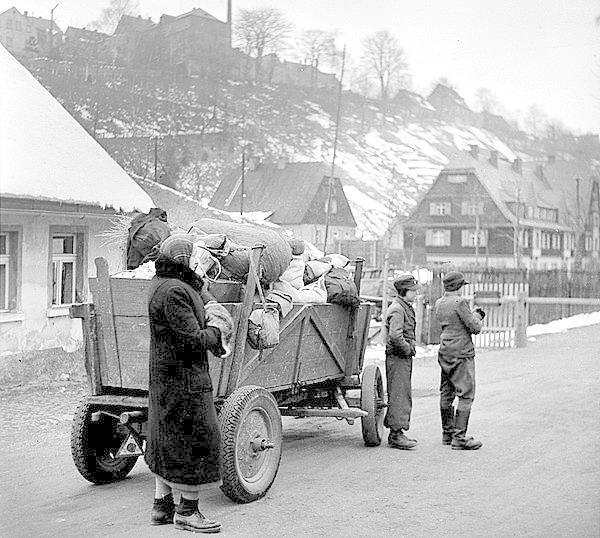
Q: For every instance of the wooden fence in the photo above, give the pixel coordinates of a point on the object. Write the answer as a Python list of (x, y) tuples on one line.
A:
[(513, 300)]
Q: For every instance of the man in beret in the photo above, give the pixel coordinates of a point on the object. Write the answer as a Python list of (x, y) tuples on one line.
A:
[(456, 358), (399, 353)]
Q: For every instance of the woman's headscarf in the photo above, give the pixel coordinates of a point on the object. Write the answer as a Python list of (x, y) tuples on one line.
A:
[(178, 247)]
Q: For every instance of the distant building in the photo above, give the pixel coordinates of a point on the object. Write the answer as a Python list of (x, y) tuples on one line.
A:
[(450, 105), (411, 105), (21, 33), (192, 43), (80, 43), (484, 210), (296, 195), (59, 192)]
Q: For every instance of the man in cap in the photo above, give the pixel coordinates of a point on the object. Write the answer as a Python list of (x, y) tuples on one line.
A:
[(399, 353), (456, 358)]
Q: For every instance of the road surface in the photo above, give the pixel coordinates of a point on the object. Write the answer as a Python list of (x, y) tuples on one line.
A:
[(538, 473)]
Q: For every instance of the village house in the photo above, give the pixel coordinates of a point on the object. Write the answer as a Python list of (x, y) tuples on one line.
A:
[(192, 43), (295, 195), (450, 105), (80, 43), (59, 191), (21, 33), (483, 210)]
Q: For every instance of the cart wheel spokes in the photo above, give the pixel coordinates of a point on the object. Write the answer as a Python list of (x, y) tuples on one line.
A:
[(372, 400), (251, 436)]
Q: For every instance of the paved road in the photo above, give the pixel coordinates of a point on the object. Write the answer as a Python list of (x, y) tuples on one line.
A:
[(538, 473)]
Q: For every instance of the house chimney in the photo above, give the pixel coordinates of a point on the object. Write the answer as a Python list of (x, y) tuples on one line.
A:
[(25, 13), (474, 151), (281, 162), (551, 159), (494, 158), (229, 22), (517, 165)]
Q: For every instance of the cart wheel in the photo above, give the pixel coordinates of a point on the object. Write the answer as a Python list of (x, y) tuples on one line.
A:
[(94, 447), (372, 400), (250, 443)]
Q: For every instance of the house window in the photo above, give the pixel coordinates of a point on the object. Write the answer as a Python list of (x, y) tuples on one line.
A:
[(524, 234), (596, 243), (437, 238), (334, 206), (546, 239), (9, 23), (596, 219), (67, 268), (440, 208), (468, 238), (469, 207), (18, 25), (555, 241), (588, 242), (9, 270), (457, 178)]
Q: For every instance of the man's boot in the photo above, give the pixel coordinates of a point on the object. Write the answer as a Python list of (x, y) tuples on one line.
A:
[(397, 439), (460, 441), (447, 414), (163, 510)]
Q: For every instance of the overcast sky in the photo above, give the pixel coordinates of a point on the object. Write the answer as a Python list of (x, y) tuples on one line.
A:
[(544, 52)]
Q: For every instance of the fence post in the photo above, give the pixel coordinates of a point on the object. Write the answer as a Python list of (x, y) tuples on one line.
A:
[(520, 321), (419, 319), (384, 297)]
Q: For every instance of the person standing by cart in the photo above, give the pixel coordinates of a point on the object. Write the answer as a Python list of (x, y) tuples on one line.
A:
[(183, 439), (456, 358), (399, 353)]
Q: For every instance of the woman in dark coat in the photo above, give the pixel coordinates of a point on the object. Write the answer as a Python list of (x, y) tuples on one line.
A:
[(183, 432)]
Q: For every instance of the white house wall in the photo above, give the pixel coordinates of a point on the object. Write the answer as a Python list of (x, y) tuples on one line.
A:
[(35, 325)]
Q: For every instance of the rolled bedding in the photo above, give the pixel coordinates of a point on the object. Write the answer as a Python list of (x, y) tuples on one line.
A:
[(275, 257)]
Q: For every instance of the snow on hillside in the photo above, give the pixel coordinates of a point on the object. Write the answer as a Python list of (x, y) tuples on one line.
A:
[(386, 159)]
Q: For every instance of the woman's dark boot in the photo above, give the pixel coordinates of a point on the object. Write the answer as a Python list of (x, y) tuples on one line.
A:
[(460, 441), (447, 414), (163, 510)]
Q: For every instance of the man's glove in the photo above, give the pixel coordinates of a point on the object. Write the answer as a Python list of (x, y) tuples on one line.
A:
[(480, 312)]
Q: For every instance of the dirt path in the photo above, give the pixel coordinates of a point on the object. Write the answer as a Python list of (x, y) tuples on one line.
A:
[(538, 473)]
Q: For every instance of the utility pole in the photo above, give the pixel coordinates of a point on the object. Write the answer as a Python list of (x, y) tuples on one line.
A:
[(243, 193), (578, 249), (51, 48), (156, 158), (476, 233), (335, 141)]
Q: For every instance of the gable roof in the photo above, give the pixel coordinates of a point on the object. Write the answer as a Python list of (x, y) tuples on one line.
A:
[(129, 23), (555, 189), (46, 155), (183, 210), (37, 22), (287, 192)]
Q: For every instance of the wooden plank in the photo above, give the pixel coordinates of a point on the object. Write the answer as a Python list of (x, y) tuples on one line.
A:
[(234, 367), (334, 349), (104, 312), (90, 344), (584, 301), (130, 296)]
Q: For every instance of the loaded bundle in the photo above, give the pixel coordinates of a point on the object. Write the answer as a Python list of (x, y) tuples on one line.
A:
[(241, 237)]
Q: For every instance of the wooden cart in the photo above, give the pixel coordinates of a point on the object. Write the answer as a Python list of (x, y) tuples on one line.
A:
[(319, 358)]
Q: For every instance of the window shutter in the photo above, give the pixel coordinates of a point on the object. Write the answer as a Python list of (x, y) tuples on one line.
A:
[(464, 239), (80, 260), (447, 238)]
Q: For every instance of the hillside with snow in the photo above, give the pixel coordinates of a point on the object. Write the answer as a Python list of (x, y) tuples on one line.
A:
[(386, 158)]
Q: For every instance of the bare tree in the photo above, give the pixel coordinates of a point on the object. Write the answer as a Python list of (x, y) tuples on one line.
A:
[(535, 121), (386, 62), (486, 100), (317, 48), (261, 31), (111, 15)]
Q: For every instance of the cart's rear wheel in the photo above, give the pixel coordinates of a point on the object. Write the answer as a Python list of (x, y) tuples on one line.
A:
[(250, 443), (372, 400), (94, 447)]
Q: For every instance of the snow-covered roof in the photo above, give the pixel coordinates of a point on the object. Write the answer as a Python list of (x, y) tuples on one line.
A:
[(46, 155)]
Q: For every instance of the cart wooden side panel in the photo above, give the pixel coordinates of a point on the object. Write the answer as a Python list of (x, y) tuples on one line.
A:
[(318, 342)]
